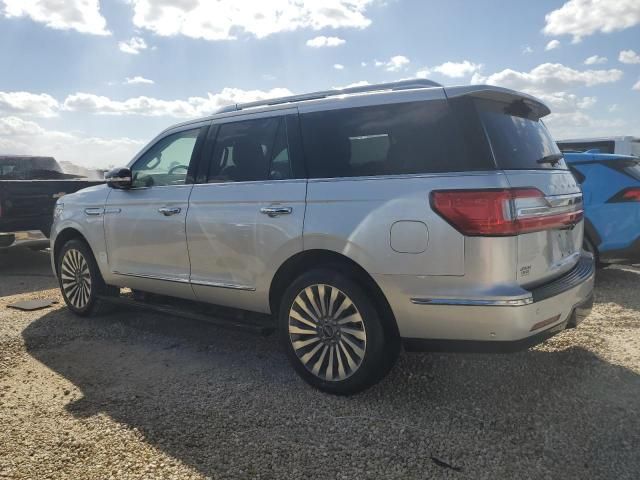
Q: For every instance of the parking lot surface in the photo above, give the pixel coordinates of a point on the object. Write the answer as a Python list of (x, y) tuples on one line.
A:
[(138, 395)]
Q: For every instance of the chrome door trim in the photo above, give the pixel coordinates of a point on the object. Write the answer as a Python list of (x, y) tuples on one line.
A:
[(152, 277), (231, 286), (276, 210), (94, 212), (473, 303), (168, 211)]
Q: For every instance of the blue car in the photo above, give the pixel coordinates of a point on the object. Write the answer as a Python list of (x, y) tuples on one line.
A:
[(611, 189)]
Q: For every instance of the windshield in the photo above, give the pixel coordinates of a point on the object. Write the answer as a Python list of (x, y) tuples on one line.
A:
[(518, 140)]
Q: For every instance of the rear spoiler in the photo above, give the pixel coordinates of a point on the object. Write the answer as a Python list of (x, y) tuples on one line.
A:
[(499, 94)]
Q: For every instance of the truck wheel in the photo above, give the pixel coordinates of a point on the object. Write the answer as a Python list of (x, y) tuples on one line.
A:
[(332, 333), (80, 280)]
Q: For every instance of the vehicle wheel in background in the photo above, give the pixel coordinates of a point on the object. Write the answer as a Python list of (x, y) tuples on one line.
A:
[(332, 333), (588, 246), (80, 280)]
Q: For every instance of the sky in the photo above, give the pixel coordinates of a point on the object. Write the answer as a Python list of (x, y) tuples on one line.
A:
[(92, 81)]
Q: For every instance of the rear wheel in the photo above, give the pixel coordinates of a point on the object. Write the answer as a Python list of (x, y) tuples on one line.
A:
[(332, 333), (80, 280)]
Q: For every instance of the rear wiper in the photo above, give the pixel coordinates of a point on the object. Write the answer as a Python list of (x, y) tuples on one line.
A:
[(553, 159)]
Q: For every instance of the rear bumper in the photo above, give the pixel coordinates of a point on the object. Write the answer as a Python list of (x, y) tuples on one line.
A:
[(509, 323), (579, 313), (630, 254)]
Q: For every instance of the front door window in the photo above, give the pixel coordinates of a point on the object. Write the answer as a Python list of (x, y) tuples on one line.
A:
[(167, 162)]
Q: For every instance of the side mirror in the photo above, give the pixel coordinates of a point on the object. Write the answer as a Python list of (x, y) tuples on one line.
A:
[(120, 178)]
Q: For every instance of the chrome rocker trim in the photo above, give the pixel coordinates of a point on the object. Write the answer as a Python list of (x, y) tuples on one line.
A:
[(203, 283)]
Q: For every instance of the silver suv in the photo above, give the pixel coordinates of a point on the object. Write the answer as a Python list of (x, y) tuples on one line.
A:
[(363, 220)]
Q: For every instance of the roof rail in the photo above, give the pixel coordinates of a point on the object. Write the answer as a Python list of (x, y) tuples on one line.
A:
[(401, 85)]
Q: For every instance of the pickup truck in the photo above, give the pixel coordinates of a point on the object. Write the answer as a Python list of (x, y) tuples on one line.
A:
[(29, 189)]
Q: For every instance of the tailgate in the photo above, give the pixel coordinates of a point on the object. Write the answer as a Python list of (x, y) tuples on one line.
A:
[(21, 199), (547, 254)]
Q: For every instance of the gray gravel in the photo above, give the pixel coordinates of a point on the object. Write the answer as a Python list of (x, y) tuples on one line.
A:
[(135, 395)]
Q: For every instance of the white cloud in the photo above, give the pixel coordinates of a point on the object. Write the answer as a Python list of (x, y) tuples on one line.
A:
[(581, 18), (395, 64), (527, 49), (548, 77), (322, 41), (138, 80), (595, 60), (564, 102), (423, 73), (636, 86), (457, 69), (553, 44), (363, 64), (81, 15), (133, 46), (629, 56), (19, 136), (580, 124), (227, 19), (338, 66), (153, 107), (570, 115), (613, 107), (34, 104)]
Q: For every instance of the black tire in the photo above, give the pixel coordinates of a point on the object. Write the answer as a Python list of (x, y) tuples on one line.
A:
[(355, 334), (76, 265), (589, 246)]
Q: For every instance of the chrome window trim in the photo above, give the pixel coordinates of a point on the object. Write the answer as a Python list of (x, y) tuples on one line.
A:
[(252, 182), (408, 175), (520, 302), (246, 115)]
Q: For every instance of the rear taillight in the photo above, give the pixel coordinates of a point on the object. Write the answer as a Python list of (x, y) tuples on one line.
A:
[(506, 212), (631, 194)]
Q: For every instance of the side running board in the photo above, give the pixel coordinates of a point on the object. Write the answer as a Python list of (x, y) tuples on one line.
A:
[(223, 317)]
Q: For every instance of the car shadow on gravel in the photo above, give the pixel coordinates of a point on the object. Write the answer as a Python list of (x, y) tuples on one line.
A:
[(25, 271), (228, 405)]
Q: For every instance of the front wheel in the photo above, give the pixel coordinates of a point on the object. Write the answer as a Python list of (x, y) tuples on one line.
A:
[(80, 280), (332, 333)]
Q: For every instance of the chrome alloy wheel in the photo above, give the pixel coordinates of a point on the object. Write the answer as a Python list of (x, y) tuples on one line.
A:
[(327, 332), (75, 278)]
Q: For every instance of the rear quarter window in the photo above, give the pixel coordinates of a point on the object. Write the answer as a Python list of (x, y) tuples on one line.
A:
[(404, 138)]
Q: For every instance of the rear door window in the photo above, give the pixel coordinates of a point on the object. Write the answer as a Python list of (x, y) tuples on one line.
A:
[(251, 150), (519, 141), (403, 138)]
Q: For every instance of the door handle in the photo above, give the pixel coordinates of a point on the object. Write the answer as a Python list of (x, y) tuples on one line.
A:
[(168, 211), (276, 211)]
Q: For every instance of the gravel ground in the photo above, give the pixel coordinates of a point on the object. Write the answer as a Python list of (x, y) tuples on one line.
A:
[(136, 395)]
